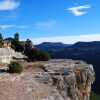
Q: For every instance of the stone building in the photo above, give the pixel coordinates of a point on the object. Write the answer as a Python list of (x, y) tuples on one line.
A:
[(25, 45), (16, 37), (5, 43), (29, 43), (28, 46)]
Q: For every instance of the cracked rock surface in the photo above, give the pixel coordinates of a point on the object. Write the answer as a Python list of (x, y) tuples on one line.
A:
[(55, 80)]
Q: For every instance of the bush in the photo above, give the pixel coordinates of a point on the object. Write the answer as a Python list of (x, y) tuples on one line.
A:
[(44, 56), (16, 45), (94, 96), (38, 55), (13, 47), (15, 67)]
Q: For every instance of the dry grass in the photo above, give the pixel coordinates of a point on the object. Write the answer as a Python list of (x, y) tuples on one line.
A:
[(79, 86), (3, 64), (85, 92), (33, 65), (78, 70)]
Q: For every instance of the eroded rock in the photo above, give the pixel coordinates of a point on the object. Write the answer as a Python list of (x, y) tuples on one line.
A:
[(72, 79), (8, 54), (61, 80)]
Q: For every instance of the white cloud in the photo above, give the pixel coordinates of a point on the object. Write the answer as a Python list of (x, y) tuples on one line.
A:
[(5, 26), (22, 26), (9, 17), (45, 25), (67, 39), (9, 4), (76, 10), (12, 26)]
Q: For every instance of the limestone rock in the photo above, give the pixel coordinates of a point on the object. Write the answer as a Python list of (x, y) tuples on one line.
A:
[(58, 80), (8, 54), (72, 79)]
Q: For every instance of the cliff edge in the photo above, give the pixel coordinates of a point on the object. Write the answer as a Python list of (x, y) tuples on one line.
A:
[(52, 80), (72, 79)]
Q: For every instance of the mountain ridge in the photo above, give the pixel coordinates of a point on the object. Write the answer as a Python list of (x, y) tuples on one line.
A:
[(51, 45), (86, 44)]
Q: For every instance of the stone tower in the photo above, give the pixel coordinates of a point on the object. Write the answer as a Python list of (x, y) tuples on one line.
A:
[(16, 37)]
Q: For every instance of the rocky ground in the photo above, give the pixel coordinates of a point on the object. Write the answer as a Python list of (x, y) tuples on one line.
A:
[(51, 80)]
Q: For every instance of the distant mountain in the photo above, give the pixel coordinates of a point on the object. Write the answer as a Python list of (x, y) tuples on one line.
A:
[(94, 44), (51, 45), (60, 50)]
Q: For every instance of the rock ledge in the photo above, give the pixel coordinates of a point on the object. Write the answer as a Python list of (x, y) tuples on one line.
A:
[(72, 79)]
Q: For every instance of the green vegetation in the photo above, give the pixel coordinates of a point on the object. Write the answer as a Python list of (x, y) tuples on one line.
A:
[(1, 44), (94, 96), (15, 67), (1, 38), (26, 47), (16, 45), (13, 47), (38, 55), (33, 54)]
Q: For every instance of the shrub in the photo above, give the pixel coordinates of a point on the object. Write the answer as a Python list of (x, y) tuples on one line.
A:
[(43, 56), (13, 47), (1, 38), (38, 55), (16, 45), (15, 67)]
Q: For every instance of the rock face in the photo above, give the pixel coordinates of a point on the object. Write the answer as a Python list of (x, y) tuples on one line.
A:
[(51, 80), (72, 80), (8, 54)]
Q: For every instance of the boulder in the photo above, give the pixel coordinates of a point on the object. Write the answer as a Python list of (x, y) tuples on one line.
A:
[(8, 54)]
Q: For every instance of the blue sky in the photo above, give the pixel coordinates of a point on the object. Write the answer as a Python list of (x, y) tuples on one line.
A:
[(66, 21)]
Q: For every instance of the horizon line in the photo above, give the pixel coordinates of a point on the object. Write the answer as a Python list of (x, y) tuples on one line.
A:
[(67, 39)]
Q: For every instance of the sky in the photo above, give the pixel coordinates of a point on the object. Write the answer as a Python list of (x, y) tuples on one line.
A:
[(66, 21)]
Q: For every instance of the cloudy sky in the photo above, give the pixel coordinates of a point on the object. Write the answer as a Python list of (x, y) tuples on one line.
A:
[(66, 21)]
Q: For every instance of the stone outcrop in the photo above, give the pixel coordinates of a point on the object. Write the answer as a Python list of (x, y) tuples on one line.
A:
[(8, 54), (71, 80), (52, 80)]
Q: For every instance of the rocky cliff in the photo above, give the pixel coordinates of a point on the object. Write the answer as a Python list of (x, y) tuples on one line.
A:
[(8, 54), (72, 80), (52, 80)]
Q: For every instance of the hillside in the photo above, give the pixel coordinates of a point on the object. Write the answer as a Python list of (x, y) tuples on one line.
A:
[(94, 44), (51, 45)]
